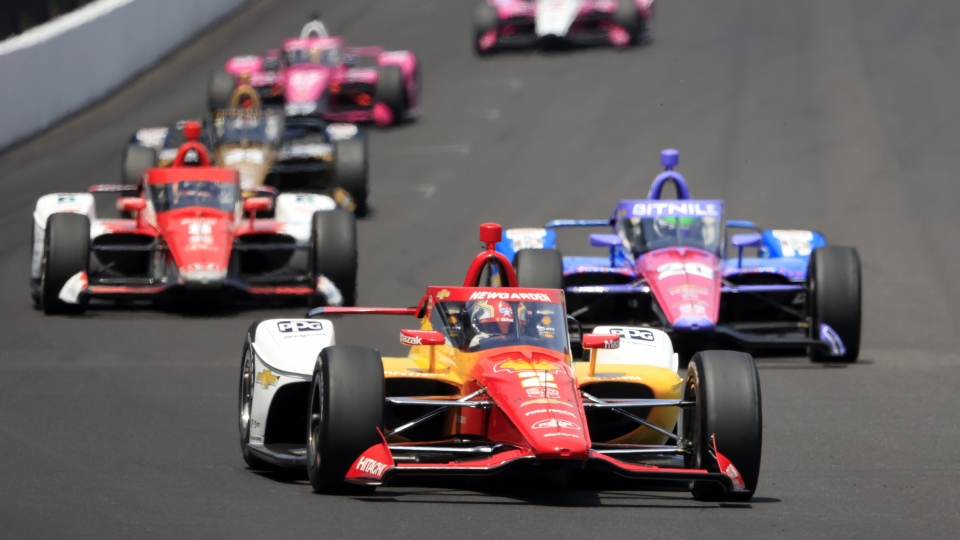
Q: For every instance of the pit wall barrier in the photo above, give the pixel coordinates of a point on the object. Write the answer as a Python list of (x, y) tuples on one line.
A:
[(59, 67)]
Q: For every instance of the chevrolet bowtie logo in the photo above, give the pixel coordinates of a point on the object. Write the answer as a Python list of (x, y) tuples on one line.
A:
[(266, 379)]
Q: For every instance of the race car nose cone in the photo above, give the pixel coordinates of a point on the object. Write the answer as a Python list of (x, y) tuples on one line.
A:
[(202, 279), (693, 324)]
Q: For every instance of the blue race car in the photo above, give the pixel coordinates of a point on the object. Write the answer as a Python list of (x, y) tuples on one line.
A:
[(671, 265)]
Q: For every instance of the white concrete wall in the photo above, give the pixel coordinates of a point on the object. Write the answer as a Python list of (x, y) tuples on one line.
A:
[(59, 67)]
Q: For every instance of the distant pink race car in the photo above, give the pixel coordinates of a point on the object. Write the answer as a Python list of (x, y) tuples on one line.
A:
[(315, 75), (502, 24)]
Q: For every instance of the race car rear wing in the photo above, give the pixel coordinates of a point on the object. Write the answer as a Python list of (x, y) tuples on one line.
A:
[(578, 223)]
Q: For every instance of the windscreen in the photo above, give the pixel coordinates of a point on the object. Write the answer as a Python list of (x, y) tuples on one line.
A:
[(328, 57), (488, 324), (641, 235), (194, 193)]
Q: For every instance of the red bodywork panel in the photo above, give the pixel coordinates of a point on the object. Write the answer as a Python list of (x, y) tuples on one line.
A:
[(536, 390)]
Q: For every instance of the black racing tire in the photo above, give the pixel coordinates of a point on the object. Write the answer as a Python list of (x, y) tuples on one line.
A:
[(626, 16), (334, 244), (726, 388), (485, 18), (539, 268), (390, 91), (220, 87), (351, 171), (136, 160), (248, 373), (834, 298), (346, 410), (66, 251)]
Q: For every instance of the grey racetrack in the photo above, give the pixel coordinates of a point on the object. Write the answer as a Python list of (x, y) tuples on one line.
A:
[(840, 116)]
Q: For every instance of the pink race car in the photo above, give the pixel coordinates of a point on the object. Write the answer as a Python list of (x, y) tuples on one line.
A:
[(316, 76), (521, 23)]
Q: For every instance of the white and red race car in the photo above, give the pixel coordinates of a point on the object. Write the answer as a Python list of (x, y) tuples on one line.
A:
[(184, 229)]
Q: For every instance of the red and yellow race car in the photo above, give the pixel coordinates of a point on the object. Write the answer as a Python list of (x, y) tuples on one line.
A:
[(491, 388)]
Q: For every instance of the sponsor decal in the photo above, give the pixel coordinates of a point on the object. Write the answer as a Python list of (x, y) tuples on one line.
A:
[(412, 374), (662, 209), (410, 340), (371, 466), (267, 379), (699, 308), (550, 411), (691, 292), (556, 424), (443, 294), (492, 295), (561, 434), (545, 401), (634, 333), (539, 392), (515, 366), (678, 269), (299, 326), (526, 238), (794, 243)]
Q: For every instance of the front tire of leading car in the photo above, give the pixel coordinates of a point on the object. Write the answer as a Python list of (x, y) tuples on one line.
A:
[(334, 241), (248, 373), (346, 411), (66, 252), (834, 299), (539, 268), (725, 386)]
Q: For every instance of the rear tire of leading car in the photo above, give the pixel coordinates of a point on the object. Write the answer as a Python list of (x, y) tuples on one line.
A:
[(390, 91), (351, 171), (248, 373), (726, 388), (834, 299), (346, 410), (220, 87), (66, 251), (539, 268), (627, 17), (335, 251), (136, 160), (485, 19)]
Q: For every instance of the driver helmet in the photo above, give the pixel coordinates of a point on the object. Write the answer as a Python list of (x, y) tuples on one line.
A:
[(495, 317), (675, 226)]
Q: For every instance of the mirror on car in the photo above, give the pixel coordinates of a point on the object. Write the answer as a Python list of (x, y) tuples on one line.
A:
[(747, 240), (605, 240), (421, 337), (131, 204), (601, 341), (257, 204)]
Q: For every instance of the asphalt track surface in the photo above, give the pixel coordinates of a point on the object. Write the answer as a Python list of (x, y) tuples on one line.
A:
[(837, 116)]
